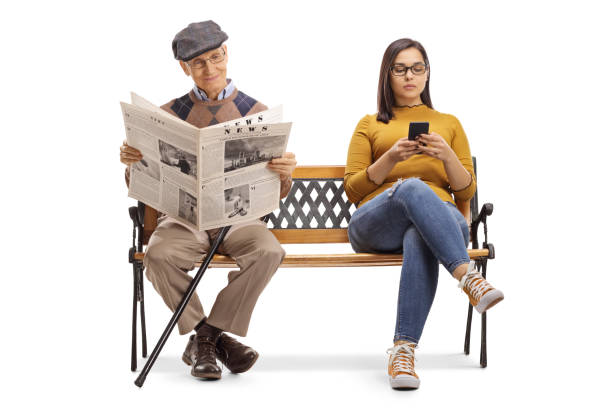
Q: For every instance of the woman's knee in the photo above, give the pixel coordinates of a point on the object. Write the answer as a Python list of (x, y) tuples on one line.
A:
[(412, 187)]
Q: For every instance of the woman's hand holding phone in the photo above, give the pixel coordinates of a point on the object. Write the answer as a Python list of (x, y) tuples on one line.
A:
[(403, 149), (435, 147)]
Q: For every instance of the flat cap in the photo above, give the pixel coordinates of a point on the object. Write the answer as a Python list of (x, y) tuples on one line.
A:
[(197, 38)]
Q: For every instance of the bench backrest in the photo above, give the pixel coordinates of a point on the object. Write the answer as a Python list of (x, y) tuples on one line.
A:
[(316, 210)]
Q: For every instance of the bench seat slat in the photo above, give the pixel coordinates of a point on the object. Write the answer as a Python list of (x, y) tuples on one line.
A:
[(329, 260), (311, 236)]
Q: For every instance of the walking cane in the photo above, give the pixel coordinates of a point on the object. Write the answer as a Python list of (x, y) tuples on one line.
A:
[(179, 310)]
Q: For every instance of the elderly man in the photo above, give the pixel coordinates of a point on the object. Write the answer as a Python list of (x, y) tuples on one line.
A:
[(175, 247)]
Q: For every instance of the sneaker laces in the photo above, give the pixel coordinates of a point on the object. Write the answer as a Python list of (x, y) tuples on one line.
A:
[(476, 284), (402, 357)]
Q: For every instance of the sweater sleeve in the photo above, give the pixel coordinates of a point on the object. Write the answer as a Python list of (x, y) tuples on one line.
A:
[(461, 147), (357, 184)]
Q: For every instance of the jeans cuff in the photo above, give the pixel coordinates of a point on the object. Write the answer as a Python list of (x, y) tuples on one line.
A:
[(406, 338), (451, 267)]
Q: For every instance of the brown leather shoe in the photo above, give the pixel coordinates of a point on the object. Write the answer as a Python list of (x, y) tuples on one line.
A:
[(237, 357), (200, 354)]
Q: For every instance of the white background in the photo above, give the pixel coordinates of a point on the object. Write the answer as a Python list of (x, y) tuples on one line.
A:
[(530, 82)]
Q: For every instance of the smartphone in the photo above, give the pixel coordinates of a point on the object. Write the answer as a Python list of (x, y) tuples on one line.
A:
[(417, 128)]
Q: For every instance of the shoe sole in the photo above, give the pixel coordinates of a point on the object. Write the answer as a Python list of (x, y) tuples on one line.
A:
[(210, 376), (404, 382), (490, 299)]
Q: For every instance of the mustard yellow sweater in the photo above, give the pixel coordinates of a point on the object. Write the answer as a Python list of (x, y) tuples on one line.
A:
[(373, 138)]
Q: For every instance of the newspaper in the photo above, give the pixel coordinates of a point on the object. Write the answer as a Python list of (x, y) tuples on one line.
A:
[(209, 177)]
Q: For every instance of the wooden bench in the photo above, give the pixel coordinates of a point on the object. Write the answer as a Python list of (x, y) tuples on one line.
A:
[(316, 211)]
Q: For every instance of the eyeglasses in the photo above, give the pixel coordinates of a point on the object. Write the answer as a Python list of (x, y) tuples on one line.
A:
[(200, 63), (417, 69)]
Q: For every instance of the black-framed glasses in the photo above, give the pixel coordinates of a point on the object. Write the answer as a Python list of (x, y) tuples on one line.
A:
[(417, 68), (200, 63)]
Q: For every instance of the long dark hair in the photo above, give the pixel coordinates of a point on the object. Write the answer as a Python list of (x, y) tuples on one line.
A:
[(385, 93)]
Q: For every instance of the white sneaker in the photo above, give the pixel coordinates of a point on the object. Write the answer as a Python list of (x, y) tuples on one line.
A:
[(482, 295), (401, 366)]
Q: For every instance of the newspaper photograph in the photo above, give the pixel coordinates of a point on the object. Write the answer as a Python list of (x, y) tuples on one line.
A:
[(241, 153), (184, 161), (235, 184), (187, 207), (209, 177), (236, 201)]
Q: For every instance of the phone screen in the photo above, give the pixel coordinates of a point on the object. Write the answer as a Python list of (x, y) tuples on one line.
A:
[(416, 128)]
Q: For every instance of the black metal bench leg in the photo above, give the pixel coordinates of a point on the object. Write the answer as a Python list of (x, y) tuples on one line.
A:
[(483, 342), (180, 308), (134, 311), (468, 330), (143, 326), (483, 337)]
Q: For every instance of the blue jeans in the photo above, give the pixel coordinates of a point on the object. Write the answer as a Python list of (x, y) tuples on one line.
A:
[(410, 218)]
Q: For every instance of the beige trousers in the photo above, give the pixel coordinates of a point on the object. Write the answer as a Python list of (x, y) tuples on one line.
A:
[(173, 251)]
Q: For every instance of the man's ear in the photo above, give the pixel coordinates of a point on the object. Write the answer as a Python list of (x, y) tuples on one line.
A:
[(185, 68)]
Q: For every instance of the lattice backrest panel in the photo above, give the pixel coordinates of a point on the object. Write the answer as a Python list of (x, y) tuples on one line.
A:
[(313, 203)]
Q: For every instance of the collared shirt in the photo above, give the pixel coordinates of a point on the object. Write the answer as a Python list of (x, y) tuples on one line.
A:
[(226, 92)]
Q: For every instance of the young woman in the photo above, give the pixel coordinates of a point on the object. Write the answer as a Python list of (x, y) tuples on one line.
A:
[(406, 192)]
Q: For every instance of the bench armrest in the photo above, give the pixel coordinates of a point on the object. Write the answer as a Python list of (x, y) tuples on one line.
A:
[(485, 211), (137, 216)]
